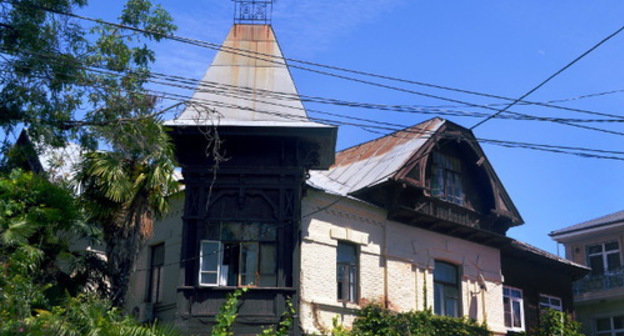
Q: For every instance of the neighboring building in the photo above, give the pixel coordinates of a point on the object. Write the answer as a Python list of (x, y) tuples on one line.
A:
[(414, 220), (599, 296)]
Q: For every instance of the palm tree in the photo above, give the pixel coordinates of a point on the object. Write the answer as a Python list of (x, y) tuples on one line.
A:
[(125, 190)]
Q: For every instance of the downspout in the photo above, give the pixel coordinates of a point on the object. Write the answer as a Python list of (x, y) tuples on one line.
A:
[(385, 260)]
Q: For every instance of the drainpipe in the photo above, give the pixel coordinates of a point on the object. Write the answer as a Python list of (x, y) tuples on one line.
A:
[(385, 260)]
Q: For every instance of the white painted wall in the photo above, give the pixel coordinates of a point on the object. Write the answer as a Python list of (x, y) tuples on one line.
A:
[(409, 254)]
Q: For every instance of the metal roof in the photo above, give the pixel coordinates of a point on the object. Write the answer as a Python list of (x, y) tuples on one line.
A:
[(590, 224), (373, 162), (246, 84)]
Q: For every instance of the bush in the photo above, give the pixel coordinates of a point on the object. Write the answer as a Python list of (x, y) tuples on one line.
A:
[(374, 320)]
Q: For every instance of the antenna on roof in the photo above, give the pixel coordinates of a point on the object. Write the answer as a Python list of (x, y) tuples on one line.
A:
[(253, 11)]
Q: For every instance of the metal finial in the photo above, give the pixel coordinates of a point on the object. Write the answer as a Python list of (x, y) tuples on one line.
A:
[(253, 11)]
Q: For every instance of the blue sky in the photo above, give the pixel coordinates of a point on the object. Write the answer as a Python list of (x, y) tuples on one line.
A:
[(499, 47)]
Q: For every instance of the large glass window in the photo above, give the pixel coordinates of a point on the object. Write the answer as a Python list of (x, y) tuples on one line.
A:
[(610, 326), (347, 272), (603, 258), (157, 261), (246, 255), (446, 181), (552, 302), (513, 307), (446, 289)]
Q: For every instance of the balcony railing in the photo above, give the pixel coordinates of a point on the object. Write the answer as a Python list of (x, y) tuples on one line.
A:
[(599, 282)]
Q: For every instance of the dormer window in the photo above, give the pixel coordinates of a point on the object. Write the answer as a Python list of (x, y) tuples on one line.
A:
[(446, 178)]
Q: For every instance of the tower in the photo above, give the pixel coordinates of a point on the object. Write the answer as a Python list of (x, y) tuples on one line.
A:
[(245, 145)]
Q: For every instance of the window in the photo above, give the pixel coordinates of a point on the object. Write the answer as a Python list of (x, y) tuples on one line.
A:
[(157, 260), (446, 289), (552, 302), (246, 255), (603, 258), (610, 326), (514, 310), (347, 272), (446, 182)]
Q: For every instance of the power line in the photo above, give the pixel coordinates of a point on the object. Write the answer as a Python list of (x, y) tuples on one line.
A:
[(241, 91), (551, 148), (557, 73), (215, 46)]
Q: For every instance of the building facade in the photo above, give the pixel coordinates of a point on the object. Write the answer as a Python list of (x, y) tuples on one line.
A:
[(599, 296), (413, 220)]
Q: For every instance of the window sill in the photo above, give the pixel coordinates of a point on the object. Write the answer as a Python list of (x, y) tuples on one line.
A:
[(231, 288)]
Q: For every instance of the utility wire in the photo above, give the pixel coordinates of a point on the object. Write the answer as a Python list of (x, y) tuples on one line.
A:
[(248, 93), (557, 73), (282, 62), (375, 124)]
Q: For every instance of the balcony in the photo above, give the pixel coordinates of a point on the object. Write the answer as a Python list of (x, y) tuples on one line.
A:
[(593, 283)]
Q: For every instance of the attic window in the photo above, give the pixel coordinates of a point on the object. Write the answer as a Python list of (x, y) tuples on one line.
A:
[(446, 181)]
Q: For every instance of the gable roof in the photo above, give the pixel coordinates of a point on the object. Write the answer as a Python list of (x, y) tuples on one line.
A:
[(609, 219), (374, 162)]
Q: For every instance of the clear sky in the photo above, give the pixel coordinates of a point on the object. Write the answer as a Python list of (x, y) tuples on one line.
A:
[(495, 46)]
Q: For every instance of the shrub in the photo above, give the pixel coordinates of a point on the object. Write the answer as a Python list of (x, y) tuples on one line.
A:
[(374, 320)]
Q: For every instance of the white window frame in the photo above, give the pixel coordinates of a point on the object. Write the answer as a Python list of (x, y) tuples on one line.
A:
[(604, 254), (511, 301), (612, 331), (201, 258), (550, 304)]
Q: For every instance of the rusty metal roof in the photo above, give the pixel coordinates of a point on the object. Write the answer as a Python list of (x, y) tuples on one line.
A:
[(243, 85), (373, 162)]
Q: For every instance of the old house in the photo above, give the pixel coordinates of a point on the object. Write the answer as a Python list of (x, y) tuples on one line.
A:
[(599, 296), (416, 219)]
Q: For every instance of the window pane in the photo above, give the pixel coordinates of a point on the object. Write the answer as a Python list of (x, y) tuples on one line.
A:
[(445, 272), (613, 261), (596, 264), (268, 265), (603, 324), (516, 293), (208, 278), (158, 255), (507, 308), (544, 299), (248, 263), (346, 253), (611, 246), (618, 322), (594, 249), (517, 317), (352, 283), (451, 305), (438, 299), (209, 256), (248, 232)]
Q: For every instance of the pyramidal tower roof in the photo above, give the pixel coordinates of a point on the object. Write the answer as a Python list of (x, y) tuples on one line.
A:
[(248, 84)]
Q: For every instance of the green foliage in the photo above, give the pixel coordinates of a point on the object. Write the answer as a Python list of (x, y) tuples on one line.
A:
[(285, 323), (556, 323), (51, 71), (374, 320), (227, 314), (26, 310)]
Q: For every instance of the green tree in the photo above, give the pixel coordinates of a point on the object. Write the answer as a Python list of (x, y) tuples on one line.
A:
[(65, 81), (124, 191)]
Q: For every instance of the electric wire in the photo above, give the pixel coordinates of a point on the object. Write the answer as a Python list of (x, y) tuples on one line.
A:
[(551, 77), (231, 50)]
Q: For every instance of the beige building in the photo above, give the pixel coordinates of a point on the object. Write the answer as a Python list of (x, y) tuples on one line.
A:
[(598, 297)]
